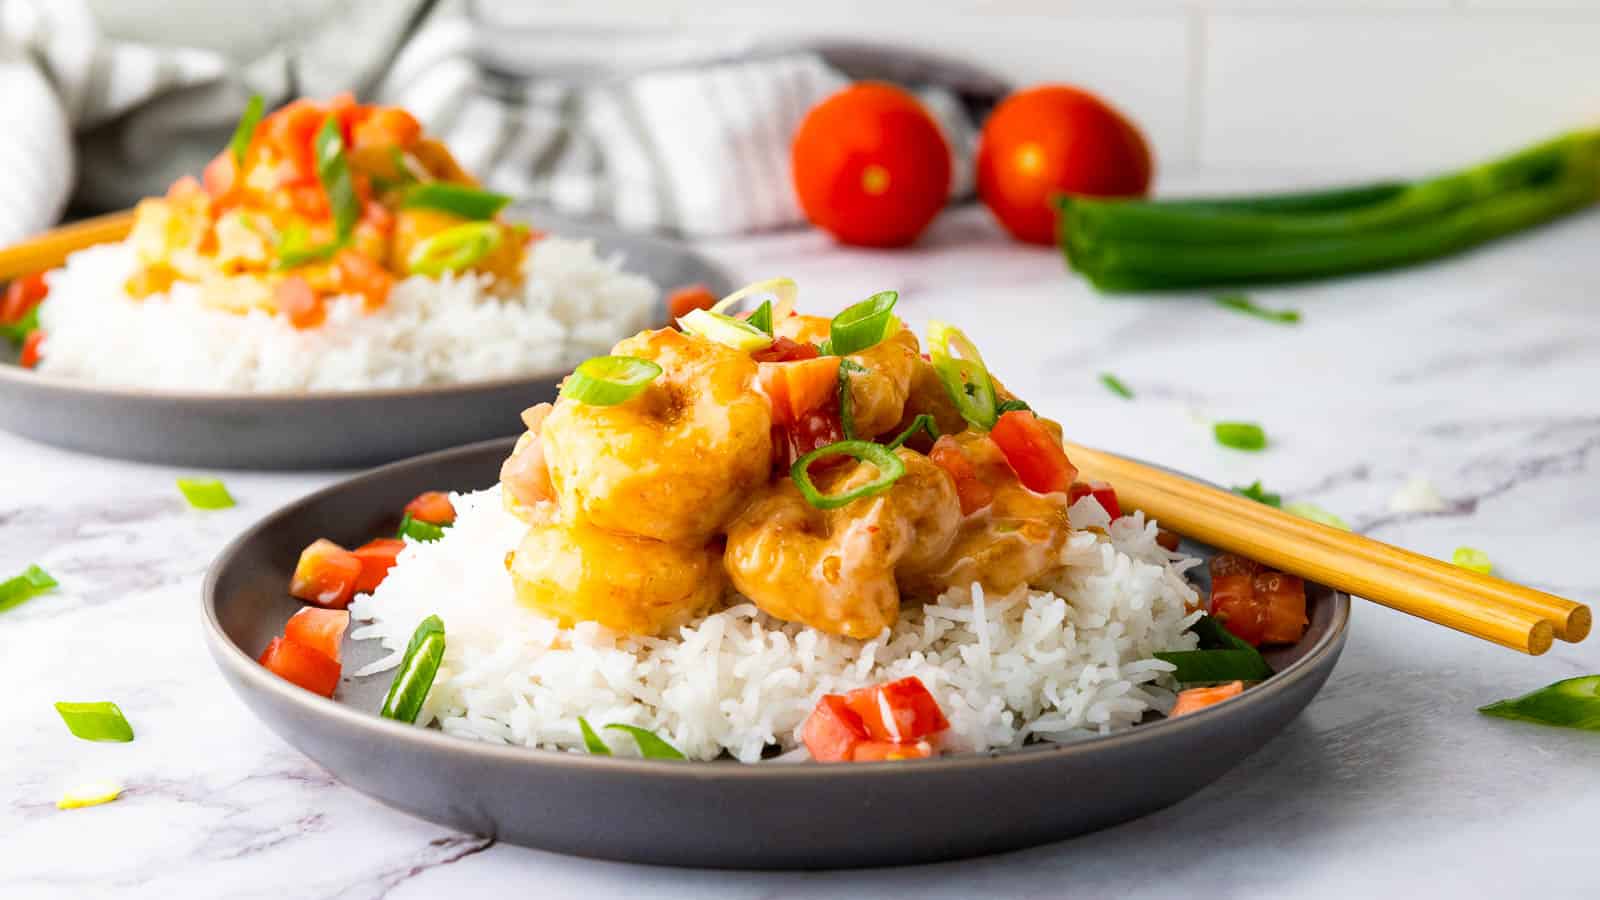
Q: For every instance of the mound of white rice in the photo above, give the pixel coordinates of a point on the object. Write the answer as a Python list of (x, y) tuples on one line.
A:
[(573, 304), (1044, 665)]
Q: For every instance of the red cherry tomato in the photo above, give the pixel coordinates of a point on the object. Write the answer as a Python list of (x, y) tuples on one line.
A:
[(870, 166), (1051, 140)]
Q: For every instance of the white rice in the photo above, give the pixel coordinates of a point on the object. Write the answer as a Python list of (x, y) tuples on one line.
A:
[(573, 304), (1006, 669)]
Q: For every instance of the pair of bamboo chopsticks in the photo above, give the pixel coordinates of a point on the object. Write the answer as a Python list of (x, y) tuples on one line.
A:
[(50, 249), (1507, 614)]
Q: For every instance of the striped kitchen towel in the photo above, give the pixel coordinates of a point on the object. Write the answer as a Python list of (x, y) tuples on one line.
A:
[(672, 130)]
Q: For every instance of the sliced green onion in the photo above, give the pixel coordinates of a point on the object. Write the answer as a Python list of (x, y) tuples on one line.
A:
[(725, 330), (784, 290), (92, 793), (1316, 514), (1472, 558), (333, 170), (847, 412), (19, 330), (1213, 636), (1570, 703), (762, 317), (864, 325), (1206, 666), (1012, 405), (609, 380), (650, 746), (417, 671), (205, 493), (245, 131), (458, 199), (923, 422), (1240, 435), (295, 248), (19, 589), (454, 249), (965, 378), (890, 468), (1260, 495), (96, 721), (1242, 303), (591, 741), (1115, 385), (418, 530)]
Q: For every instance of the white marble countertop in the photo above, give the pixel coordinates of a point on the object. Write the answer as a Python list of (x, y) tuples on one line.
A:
[(1481, 374)]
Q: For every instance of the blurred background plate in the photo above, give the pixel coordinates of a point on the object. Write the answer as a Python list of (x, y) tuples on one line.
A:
[(316, 430)]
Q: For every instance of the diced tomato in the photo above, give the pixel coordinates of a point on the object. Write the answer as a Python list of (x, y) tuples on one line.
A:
[(1233, 564), (300, 303), (30, 349), (1103, 493), (1283, 601), (321, 630), (783, 349), (1233, 604), (377, 215), (221, 176), (1196, 699), (326, 575), (689, 298), (882, 751), (386, 126), (360, 274), (309, 200), (377, 558), (815, 430), (799, 387), (22, 295), (973, 493), (1040, 463), (432, 507), (900, 711), (833, 731), (290, 131), (301, 665)]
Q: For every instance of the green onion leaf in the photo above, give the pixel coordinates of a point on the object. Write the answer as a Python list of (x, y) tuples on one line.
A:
[(417, 670), (965, 378), (609, 380), (246, 129), (1207, 666), (19, 330), (454, 249), (418, 530), (294, 248), (457, 199), (1240, 435), (1241, 303), (1571, 703), (1472, 558), (650, 746), (863, 325), (205, 493), (847, 413), (19, 589), (1257, 493), (1215, 636), (725, 330), (96, 721), (890, 468), (1115, 385), (333, 170), (591, 741), (784, 290), (1316, 514), (923, 422), (762, 317), (1012, 405)]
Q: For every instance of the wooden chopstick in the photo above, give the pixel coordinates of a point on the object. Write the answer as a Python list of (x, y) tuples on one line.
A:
[(1495, 610), (50, 249)]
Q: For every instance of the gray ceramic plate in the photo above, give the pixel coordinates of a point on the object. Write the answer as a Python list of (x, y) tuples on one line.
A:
[(722, 814), (319, 430)]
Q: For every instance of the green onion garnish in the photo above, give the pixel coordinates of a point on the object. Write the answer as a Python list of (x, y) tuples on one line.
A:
[(965, 378), (890, 468), (1260, 495), (591, 741), (1115, 385), (863, 325), (417, 670), (784, 290), (19, 330), (19, 589), (847, 412), (1316, 514), (1205, 666), (333, 170), (725, 330), (1012, 405), (609, 380), (96, 721), (650, 746), (762, 317), (923, 422), (93, 793), (245, 131), (295, 249), (1242, 303), (1472, 558), (205, 493), (1570, 703), (1240, 435), (418, 530), (458, 199), (454, 249)]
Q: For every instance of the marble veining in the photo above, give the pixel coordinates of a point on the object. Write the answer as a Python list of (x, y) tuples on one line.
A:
[(1480, 374)]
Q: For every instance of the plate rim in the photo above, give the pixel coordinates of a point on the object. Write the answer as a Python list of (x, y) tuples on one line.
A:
[(246, 670)]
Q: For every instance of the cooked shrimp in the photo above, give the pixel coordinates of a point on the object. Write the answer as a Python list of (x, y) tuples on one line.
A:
[(836, 570), (524, 477), (673, 463), (579, 573), (878, 394)]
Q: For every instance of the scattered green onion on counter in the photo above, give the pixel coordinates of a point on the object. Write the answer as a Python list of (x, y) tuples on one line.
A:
[(1472, 558), (205, 493), (725, 330), (591, 741), (1316, 514), (890, 468), (863, 325), (965, 377), (418, 530), (924, 423), (418, 667), (96, 721), (1240, 435), (457, 199), (1570, 703), (333, 170), (245, 131), (1259, 494), (1242, 303), (1115, 386), (609, 380), (650, 746), (92, 793), (19, 589)]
